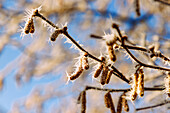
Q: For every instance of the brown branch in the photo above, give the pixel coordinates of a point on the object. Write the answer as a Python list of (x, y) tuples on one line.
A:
[(122, 90), (65, 32), (161, 104)]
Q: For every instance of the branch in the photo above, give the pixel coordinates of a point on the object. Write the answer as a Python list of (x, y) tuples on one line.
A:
[(122, 90), (161, 104), (163, 2)]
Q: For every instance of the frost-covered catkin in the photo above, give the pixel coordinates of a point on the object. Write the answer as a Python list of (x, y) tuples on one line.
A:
[(133, 92), (29, 26), (125, 103), (78, 71), (141, 83), (85, 61), (55, 35), (104, 75), (109, 102), (99, 69), (109, 76), (167, 84), (83, 102)]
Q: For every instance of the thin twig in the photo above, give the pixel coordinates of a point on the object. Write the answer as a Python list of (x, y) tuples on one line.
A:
[(161, 104), (163, 2), (122, 90)]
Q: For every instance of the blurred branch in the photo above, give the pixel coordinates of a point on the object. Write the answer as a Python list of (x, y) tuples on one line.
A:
[(162, 2), (149, 107)]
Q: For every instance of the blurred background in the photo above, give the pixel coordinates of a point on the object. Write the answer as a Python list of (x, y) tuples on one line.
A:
[(33, 70)]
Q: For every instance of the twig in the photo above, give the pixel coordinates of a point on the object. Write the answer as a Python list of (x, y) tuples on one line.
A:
[(161, 104), (122, 90), (163, 2)]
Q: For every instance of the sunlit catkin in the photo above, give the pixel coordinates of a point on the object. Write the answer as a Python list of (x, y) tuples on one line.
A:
[(85, 61), (141, 83), (29, 26), (133, 92), (83, 102), (125, 103), (78, 72), (109, 76), (104, 75), (109, 102)]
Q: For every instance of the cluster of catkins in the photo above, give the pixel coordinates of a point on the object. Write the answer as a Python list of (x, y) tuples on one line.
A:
[(122, 103), (137, 85), (83, 64), (29, 25), (106, 72)]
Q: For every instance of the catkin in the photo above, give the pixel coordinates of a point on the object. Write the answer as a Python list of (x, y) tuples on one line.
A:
[(78, 72), (119, 105), (85, 62), (29, 26), (104, 75), (109, 102), (106, 99), (134, 87), (32, 29), (109, 76), (99, 69), (55, 35), (83, 102), (111, 53), (124, 103), (141, 83)]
